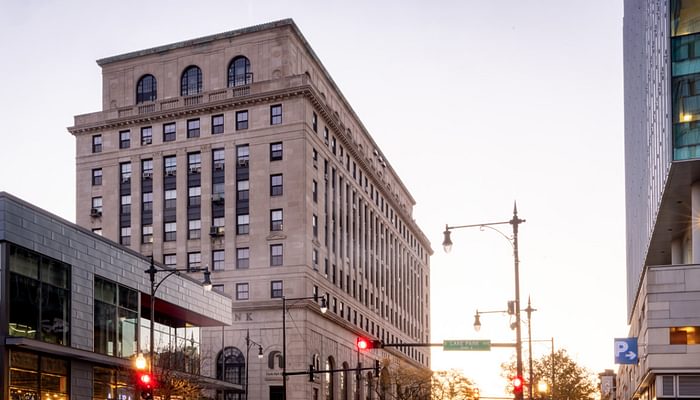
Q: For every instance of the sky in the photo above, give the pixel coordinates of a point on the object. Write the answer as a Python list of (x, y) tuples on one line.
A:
[(475, 104)]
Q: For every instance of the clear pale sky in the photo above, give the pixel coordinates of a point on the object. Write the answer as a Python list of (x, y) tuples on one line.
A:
[(475, 104)]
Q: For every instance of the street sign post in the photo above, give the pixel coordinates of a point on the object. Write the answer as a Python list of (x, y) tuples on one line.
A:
[(626, 351), (466, 345)]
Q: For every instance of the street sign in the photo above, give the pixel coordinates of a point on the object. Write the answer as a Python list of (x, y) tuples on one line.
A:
[(466, 345), (626, 351)]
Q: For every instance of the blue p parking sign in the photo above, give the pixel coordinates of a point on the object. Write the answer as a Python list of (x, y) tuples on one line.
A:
[(626, 351)]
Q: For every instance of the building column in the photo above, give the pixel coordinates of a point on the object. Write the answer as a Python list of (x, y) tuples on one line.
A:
[(695, 222), (677, 252)]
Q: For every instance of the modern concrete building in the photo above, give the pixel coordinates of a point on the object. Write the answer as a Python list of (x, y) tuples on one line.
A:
[(75, 311), (662, 157), (238, 151)]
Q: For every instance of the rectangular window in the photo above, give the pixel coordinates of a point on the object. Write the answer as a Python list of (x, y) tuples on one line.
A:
[(194, 198), (243, 155), (170, 165), (194, 230), (147, 199), (125, 204), (147, 234), (31, 374), (314, 122), (147, 169), (218, 288), (146, 135), (276, 185), (170, 199), (125, 172), (276, 114), (685, 335), (39, 297), (217, 192), (217, 257), (325, 135), (241, 120), (170, 231), (314, 158), (193, 128), (314, 190), (217, 124), (97, 177), (276, 220), (96, 210), (242, 190), (169, 132), (194, 162), (125, 236), (275, 151), (194, 260), (276, 255), (170, 260), (276, 289), (97, 143), (218, 159), (314, 259), (242, 258), (242, 224), (314, 225), (124, 139), (242, 292)]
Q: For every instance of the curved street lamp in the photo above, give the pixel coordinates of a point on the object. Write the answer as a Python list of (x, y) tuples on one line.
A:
[(513, 240)]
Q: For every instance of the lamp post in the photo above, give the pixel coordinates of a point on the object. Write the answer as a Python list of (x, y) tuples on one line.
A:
[(514, 222), (324, 308), (152, 271), (248, 343)]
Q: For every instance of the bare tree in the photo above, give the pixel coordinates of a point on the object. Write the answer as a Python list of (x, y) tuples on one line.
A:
[(453, 385)]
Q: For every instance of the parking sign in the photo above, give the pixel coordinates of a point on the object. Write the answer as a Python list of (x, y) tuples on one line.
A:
[(626, 351)]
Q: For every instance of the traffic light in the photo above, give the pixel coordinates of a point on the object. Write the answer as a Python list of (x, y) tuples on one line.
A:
[(145, 382), (518, 384), (367, 344), (376, 368)]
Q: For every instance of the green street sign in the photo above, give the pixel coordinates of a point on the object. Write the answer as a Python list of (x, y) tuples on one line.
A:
[(466, 345)]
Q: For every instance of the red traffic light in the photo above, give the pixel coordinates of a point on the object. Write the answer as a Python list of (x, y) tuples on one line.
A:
[(363, 344), (145, 380), (518, 384)]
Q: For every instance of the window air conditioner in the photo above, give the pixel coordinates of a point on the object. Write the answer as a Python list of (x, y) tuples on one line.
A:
[(216, 231), (242, 162), (195, 169), (170, 172), (218, 166), (147, 175), (95, 212)]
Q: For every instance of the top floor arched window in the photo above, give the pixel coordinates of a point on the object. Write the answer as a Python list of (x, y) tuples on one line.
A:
[(191, 81), (146, 89), (239, 72)]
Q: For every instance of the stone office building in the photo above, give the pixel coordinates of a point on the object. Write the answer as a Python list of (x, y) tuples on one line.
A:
[(238, 151), (75, 311)]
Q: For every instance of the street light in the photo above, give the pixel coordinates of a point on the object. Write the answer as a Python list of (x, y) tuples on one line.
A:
[(323, 308), (514, 222), (248, 343), (152, 271)]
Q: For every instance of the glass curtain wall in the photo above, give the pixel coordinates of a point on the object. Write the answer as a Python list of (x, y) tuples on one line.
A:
[(685, 78), (115, 319), (34, 377), (39, 297)]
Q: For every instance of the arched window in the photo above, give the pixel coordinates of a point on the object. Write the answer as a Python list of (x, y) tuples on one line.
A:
[(329, 384), (230, 367), (239, 72), (191, 81), (146, 89), (345, 383)]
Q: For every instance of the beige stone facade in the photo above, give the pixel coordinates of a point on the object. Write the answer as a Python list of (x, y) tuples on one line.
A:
[(316, 192)]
